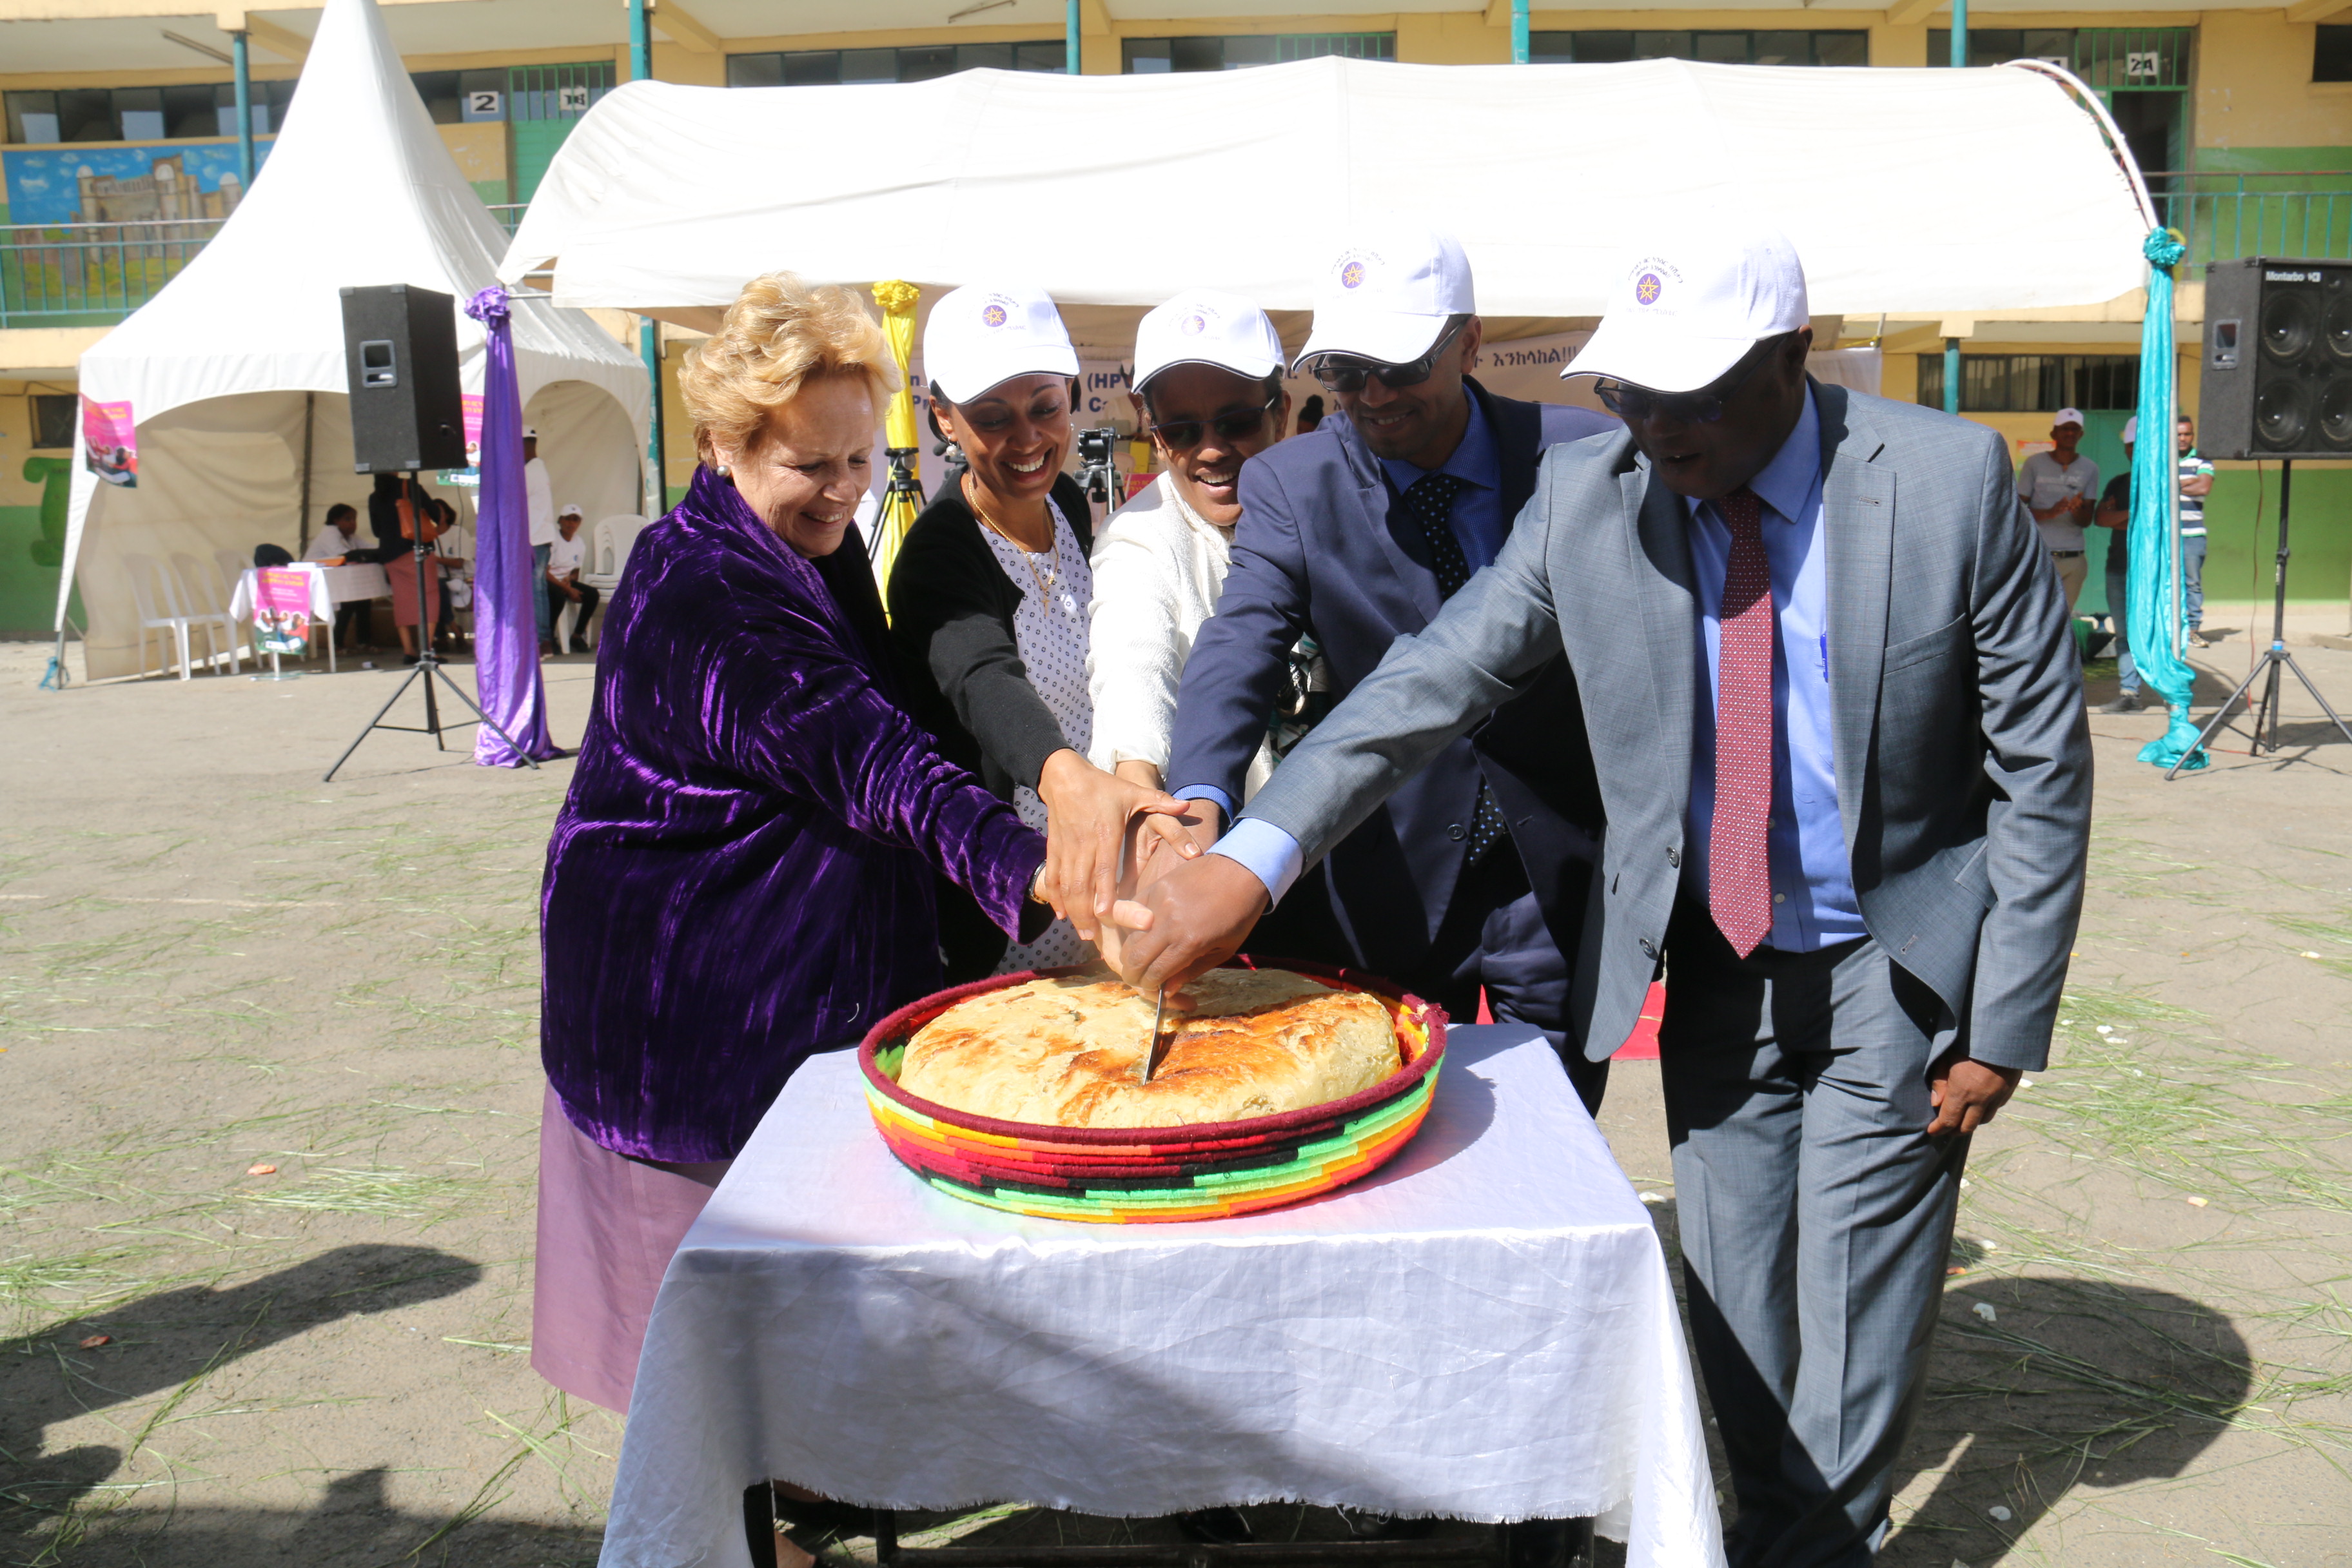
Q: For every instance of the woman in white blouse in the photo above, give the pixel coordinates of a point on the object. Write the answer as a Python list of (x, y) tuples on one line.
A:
[(1208, 375)]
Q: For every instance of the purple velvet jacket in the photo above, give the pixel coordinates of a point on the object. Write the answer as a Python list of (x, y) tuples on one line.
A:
[(741, 873)]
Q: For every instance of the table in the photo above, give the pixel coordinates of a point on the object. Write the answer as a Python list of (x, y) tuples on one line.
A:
[(1482, 1330), (329, 586)]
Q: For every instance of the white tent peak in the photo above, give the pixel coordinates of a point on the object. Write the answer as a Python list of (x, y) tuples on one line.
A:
[(234, 373), (358, 189)]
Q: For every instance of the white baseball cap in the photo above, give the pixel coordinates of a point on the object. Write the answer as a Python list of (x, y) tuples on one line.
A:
[(984, 334), (1207, 326), (1689, 306), (572, 510), (529, 434), (2074, 416), (1389, 293), (2131, 431)]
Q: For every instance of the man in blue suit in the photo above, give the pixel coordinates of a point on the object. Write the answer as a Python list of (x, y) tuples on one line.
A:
[(1474, 872)]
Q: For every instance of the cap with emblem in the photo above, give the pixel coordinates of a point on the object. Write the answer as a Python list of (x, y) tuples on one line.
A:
[(1688, 307), (1388, 295), (984, 334), (573, 511), (2070, 416), (1207, 326)]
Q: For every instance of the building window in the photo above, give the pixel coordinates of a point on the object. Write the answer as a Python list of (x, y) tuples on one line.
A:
[(184, 114), (474, 96), (1149, 56), (53, 420), (1736, 48), (2117, 59), (2331, 55), (2034, 384), (913, 62), (556, 93)]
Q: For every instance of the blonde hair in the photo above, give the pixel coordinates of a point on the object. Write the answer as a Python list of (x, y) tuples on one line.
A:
[(780, 334)]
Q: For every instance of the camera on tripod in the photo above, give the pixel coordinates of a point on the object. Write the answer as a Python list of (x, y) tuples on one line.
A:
[(1097, 473)]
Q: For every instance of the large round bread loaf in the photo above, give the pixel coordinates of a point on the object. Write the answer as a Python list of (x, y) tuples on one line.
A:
[(1065, 1052)]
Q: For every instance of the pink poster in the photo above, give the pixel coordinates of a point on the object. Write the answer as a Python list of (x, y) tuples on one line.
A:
[(281, 609), (471, 403), (110, 442)]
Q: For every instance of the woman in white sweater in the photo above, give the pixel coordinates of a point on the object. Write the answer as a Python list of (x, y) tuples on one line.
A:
[(1208, 375)]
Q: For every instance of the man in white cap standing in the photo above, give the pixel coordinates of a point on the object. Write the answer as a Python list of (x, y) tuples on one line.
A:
[(539, 493), (1474, 875), (1840, 741), (2060, 487)]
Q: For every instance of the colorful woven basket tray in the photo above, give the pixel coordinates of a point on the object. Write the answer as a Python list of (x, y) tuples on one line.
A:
[(1126, 1175)]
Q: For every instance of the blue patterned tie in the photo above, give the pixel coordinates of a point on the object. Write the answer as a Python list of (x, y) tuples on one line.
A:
[(1430, 502)]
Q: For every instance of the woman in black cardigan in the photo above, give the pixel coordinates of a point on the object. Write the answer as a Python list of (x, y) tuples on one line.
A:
[(989, 600)]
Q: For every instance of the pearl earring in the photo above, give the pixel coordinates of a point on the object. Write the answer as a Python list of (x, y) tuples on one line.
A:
[(722, 470)]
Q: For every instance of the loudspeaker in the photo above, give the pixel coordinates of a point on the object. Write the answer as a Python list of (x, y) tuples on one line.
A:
[(400, 356), (2278, 360)]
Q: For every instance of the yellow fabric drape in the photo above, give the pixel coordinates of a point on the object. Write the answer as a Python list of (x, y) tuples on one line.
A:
[(898, 512)]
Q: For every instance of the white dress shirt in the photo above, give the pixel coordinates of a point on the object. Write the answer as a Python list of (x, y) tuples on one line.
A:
[(330, 543), (540, 490), (566, 556), (1158, 567)]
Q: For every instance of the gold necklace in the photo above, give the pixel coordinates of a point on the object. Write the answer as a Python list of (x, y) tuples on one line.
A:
[(1044, 581)]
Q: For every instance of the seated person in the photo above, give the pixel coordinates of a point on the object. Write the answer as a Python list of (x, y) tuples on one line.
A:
[(566, 559), (335, 544)]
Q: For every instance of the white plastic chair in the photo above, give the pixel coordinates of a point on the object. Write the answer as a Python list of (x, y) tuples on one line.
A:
[(158, 610), (567, 618), (204, 599), (609, 544)]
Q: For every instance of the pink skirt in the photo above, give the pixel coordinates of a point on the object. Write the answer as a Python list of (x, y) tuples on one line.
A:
[(607, 1226)]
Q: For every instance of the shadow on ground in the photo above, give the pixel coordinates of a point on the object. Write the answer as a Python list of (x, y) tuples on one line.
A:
[(166, 1343)]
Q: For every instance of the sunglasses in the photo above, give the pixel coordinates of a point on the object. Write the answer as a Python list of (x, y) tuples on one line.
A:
[(1629, 402), (1183, 435), (1346, 374)]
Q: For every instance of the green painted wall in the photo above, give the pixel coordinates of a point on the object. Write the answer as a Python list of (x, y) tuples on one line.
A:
[(28, 594), (2275, 161), (535, 141)]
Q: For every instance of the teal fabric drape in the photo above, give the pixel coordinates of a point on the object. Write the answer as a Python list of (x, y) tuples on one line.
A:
[(2152, 612)]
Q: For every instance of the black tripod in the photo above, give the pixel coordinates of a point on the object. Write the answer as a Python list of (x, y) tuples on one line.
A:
[(2266, 713), (428, 663)]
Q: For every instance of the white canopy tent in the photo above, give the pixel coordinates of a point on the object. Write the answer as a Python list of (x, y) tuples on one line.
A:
[(235, 372), (1899, 187)]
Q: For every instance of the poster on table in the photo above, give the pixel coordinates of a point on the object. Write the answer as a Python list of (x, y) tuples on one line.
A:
[(281, 609), (110, 442)]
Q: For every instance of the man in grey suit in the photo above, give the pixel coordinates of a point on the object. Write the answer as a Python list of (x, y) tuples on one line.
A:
[(1842, 752)]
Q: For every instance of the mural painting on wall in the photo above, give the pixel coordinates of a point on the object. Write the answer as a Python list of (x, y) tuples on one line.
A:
[(110, 439), (125, 184)]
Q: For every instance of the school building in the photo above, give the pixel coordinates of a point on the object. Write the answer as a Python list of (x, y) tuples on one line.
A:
[(123, 155)]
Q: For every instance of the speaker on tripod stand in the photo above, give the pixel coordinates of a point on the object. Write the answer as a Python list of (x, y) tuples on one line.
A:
[(400, 359), (2277, 385)]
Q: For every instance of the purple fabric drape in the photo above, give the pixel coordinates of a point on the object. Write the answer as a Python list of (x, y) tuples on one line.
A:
[(506, 631)]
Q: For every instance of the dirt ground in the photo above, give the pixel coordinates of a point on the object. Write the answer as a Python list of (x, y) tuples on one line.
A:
[(210, 962)]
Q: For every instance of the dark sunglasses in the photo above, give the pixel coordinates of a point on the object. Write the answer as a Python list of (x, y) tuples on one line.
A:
[(1183, 435), (1701, 407), (1346, 374)]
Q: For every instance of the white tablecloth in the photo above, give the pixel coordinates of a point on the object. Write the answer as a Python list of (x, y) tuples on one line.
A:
[(1482, 1330), (329, 586)]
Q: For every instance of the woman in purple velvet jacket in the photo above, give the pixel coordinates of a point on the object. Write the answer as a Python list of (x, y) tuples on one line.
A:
[(742, 871)]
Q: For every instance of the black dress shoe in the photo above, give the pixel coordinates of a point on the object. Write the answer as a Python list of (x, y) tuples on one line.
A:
[(1365, 1525), (1217, 1527), (1547, 1543)]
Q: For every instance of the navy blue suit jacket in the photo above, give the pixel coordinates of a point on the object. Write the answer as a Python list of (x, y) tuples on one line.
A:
[(1319, 552)]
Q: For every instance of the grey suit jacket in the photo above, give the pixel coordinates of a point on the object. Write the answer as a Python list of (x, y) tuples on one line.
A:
[(1962, 755)]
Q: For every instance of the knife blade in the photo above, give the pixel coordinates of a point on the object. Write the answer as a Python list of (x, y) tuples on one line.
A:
[(1151, 1044)]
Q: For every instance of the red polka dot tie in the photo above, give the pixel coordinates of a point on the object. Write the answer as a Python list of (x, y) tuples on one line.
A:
[(1739, 873)]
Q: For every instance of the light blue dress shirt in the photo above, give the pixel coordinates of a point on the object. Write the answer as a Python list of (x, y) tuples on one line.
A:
[(1479, 527), (1814, 903)]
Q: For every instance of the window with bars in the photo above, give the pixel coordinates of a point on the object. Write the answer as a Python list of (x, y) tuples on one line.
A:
[(2034, 384), (54, 420), (2113, 60), (557, 92), (1793, 48), (913, 62), (1146, 57), (2331, 54)]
